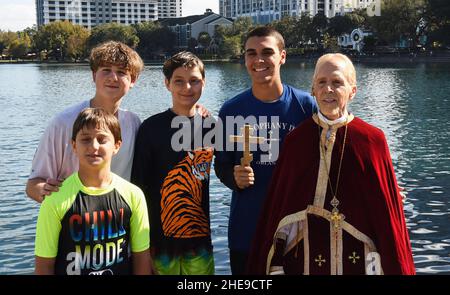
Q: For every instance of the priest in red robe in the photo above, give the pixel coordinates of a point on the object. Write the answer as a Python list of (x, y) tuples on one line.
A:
[(334, 205)]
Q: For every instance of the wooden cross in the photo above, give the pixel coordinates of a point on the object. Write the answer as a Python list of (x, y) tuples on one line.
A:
[(319, 260), (246, 138), (354, 257)]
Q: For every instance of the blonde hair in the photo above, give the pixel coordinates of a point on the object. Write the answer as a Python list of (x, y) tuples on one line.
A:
[(119, 54), (350, 71)]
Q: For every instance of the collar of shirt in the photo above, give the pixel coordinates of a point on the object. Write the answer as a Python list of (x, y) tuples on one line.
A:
[(333, 122)]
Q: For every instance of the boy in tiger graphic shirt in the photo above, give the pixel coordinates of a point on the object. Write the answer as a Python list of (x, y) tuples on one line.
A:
[(172, 162)]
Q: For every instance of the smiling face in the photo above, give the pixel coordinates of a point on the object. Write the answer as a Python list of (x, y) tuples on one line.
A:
[(263, 59), (186, 86), (333, 86), (95, 147), (112, 82)]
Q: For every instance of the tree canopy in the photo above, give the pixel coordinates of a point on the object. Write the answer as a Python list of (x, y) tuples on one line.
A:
[(407, 21)]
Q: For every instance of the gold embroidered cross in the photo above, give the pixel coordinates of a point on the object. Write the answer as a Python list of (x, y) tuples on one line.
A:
[(336, 218), (246, 138), (354, 257), (319, 260)]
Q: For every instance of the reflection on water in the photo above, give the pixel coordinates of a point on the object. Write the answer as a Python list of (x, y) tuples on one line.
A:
[(409, 103)]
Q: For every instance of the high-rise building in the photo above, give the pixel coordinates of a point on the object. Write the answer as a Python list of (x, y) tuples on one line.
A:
[(169, 8), (94, 12), (266, 11), (350, 5)]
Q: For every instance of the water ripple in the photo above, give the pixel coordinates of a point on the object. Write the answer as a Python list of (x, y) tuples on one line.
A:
[(409, 103)]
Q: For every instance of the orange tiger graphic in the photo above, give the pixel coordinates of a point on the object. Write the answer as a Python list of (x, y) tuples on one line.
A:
[(182, 215)]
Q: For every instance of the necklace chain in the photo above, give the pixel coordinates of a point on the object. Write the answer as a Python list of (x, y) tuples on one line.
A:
[(334, 201)]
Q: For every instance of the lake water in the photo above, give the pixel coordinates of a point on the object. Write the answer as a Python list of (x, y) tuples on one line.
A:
[(411, 103)]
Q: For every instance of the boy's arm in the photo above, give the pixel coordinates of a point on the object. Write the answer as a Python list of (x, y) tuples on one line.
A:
[(44, 266), (140, 235), (224, 168), (38, 188), (142, 263), (46, 162), (48, 228), (224, 160), (202, 110)]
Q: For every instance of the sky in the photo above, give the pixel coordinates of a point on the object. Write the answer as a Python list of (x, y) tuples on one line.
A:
[(16, 15)]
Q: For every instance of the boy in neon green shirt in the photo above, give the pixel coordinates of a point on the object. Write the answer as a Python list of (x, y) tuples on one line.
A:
[(97, 223)]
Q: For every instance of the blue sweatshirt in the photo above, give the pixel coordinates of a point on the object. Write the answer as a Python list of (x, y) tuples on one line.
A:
[(271, 120)]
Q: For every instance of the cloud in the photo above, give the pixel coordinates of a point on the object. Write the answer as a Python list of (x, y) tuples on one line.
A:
[(16, 17)]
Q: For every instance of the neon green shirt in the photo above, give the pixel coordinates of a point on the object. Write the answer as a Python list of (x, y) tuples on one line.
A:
[(93, 231)]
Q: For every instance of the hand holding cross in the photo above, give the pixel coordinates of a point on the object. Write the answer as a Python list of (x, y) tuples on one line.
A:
[(246, 138)]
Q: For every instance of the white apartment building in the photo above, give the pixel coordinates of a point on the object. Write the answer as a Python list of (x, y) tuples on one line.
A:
[(91, 13), (169, 8), (266, 11), (350, 5)]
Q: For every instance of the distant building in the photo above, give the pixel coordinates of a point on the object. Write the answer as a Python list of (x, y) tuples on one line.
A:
[(350, 5), (189, 27), (92, 13), (266, 11), (169, 8)]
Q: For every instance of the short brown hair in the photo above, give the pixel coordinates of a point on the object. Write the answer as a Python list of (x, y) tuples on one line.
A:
[(184, 59), (265, 31), (97, 118), (116, 53)]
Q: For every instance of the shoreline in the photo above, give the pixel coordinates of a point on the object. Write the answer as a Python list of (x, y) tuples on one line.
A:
[(363, 59), (401, 59)]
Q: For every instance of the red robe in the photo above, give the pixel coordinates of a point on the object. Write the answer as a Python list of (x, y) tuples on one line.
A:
[(368, 195)]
